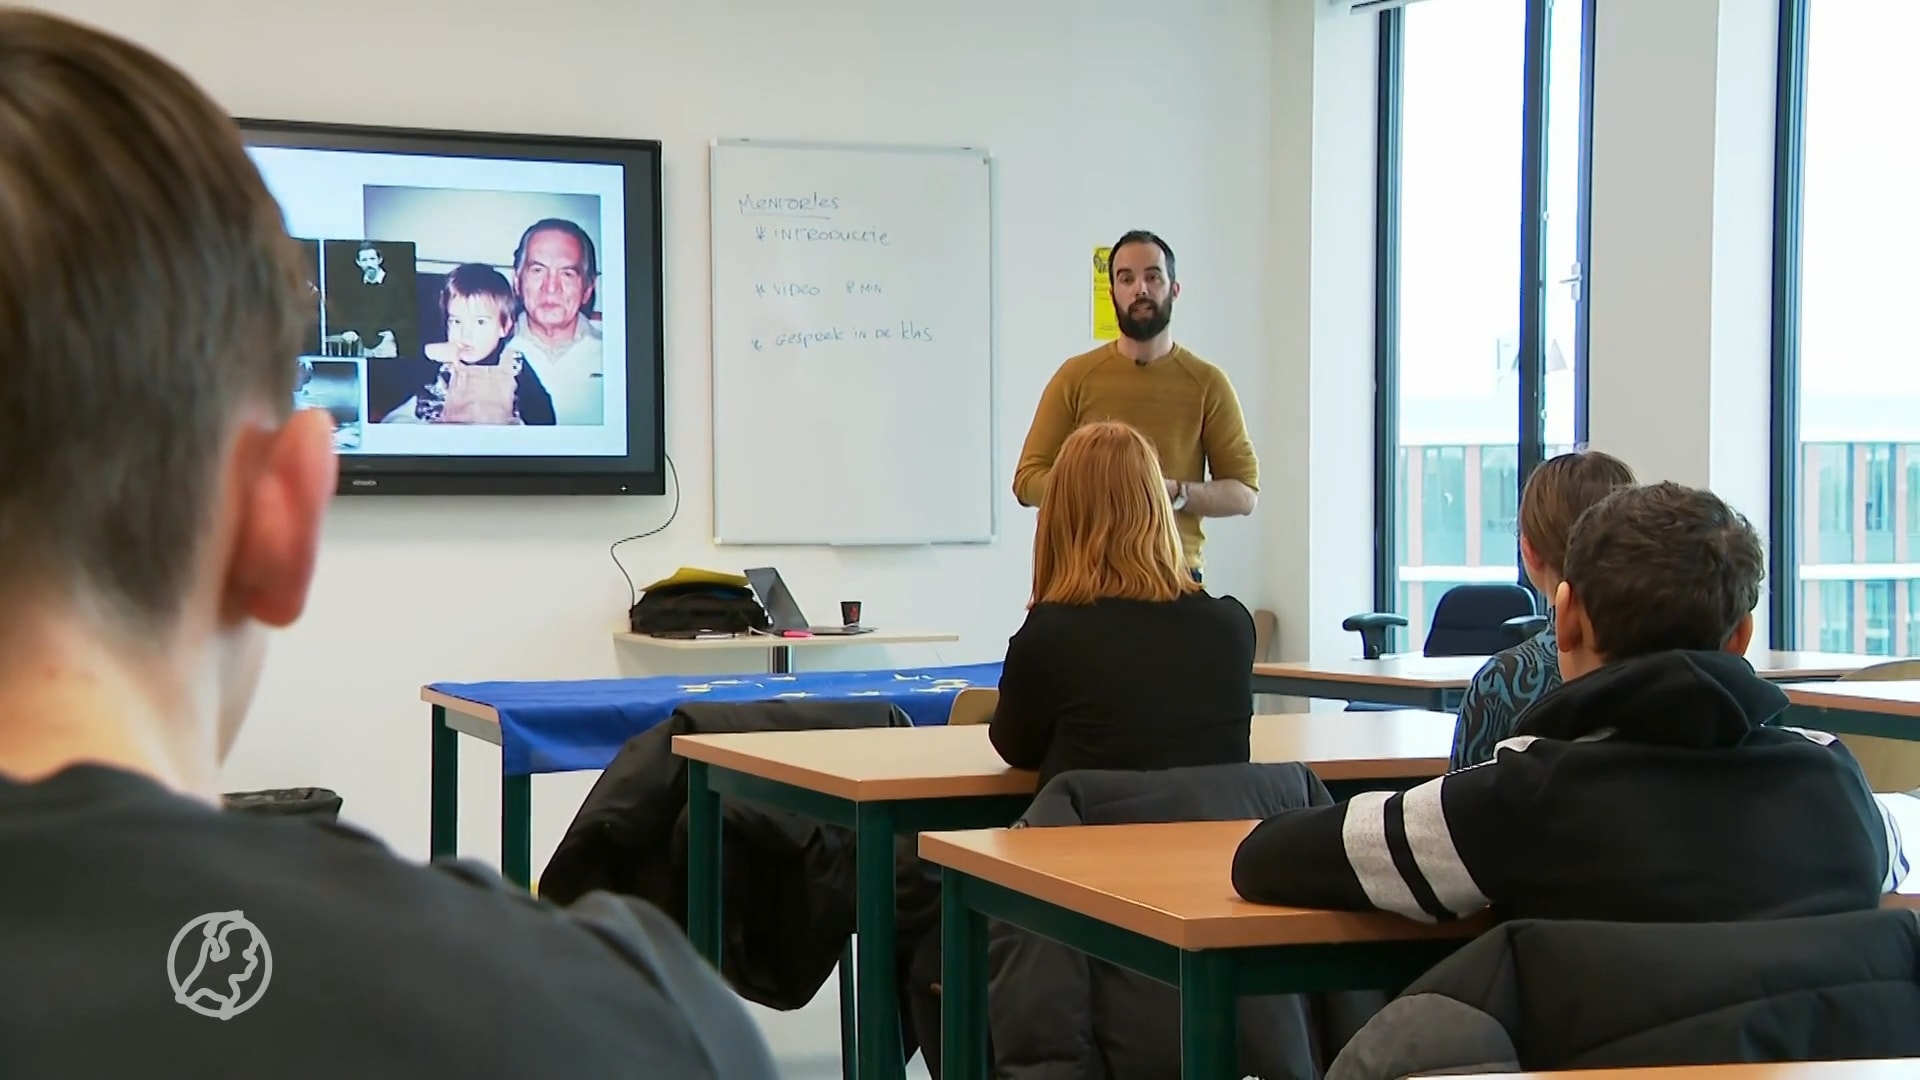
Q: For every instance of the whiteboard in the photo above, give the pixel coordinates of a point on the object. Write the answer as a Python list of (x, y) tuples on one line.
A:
[(853, 344)]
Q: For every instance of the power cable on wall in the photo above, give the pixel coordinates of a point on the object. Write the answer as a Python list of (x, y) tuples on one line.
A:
[(613, 550)]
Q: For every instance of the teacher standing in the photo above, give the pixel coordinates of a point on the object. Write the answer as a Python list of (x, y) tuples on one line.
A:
[(1185, 405)]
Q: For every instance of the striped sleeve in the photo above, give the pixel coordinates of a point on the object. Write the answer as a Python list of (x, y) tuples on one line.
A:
[(1900, 815), (1389, 851)]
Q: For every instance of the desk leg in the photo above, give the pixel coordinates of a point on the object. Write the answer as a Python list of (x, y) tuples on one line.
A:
[(443, 826), (963, 985), (703, 864), (1209, 1017), (878, 999), (849, 1049), (516, 829)]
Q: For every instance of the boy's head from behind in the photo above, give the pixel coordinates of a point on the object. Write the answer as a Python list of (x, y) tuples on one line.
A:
[(159, 500), (1557, 493), (477, 301), (1657, 568)]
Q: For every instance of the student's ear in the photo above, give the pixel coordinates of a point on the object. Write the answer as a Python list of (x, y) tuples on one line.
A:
[(1527, 556), (1569, 619), (280, 508), (1742, 636), (1173, 290)]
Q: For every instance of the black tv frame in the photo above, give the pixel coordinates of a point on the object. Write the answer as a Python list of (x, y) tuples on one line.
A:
[(642, 470)]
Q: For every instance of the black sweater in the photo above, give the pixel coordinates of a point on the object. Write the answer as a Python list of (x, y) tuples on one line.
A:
[(1652, 790), (1127, 684)]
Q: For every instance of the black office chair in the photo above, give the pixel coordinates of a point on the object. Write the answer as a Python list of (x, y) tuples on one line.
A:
[(1470, 620)]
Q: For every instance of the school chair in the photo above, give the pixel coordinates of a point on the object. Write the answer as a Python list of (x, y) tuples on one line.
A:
[(974, 705), (1890, 764), (1470, 620)]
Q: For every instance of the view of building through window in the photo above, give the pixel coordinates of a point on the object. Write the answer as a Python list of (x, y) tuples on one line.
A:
[(1859, 424), (1457, 475)]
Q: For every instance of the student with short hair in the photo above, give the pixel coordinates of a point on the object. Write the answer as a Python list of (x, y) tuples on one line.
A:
[(1557, 493), (1654, 785), (161, 508), (1125, 661)]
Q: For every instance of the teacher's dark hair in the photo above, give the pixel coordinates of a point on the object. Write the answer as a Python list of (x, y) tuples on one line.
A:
[(1141, 236), (148, 295)]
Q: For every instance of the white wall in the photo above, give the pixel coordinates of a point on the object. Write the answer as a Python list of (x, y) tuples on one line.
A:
[(1129, 113), (1102, 117), (1681, 276), (1317, 510)]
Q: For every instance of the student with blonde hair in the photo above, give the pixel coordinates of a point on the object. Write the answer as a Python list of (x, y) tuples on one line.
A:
[(1125, 661)]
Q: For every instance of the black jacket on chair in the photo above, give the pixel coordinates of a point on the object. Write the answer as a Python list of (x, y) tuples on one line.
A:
[(1053, 1013), (1539, 995), (787, 894)]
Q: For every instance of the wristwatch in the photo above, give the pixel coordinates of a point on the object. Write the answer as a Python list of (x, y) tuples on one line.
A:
[(1180, 497)]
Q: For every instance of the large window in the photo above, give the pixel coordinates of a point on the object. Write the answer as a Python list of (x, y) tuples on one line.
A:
[(1480, 329), (1847, 382)]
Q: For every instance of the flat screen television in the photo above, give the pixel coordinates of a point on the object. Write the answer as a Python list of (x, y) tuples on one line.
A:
[(486, 307)]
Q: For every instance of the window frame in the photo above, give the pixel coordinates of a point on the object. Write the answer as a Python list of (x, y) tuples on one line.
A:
[(1534, 278), (1789, 192)]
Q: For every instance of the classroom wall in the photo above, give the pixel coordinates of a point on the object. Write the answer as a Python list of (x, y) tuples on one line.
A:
[(1681, 263), (1103, 117)]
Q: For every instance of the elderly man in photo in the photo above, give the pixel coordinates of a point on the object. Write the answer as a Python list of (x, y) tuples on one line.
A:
[(555, 273)]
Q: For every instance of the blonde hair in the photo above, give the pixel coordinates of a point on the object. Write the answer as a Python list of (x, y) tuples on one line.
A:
[(1106, 528), (1559, 491)]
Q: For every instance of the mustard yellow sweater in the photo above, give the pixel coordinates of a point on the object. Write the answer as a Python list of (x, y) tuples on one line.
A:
[(1183, 404)]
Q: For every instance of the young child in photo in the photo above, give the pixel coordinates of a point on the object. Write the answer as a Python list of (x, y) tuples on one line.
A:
[(479, 381)]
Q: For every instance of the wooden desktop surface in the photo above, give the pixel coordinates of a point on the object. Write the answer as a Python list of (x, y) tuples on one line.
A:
[(1455, 672), (767, 641), (460, 705), (876, 764), (1170, 882), (1897, 698), (1883, 1069)]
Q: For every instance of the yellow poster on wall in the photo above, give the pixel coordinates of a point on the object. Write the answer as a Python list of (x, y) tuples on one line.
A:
[(1105, 326)]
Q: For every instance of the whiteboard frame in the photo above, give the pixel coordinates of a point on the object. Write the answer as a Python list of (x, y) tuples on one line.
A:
[(993, 339)]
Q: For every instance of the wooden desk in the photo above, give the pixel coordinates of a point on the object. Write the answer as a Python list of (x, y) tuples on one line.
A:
[(780, 650), (1889, 710), (1409, 680), (1881, 1069), (1157, 900), (1438, 682), (880, 782)]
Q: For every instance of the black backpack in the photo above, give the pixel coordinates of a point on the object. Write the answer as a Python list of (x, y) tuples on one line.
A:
[(698, 608)]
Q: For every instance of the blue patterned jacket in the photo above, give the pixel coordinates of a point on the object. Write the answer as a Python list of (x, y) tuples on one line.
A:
[(1509, 682)]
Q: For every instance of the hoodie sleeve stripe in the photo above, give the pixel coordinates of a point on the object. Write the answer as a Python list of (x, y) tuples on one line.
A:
[(1900, 815), (1433, 848), (1364, 834)]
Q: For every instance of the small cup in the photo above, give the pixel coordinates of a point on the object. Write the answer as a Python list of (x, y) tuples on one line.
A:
[(849, 613)]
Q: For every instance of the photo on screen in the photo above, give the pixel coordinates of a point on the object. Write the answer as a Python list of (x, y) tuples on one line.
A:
[(367, 299), (336, 386), (544, 338)]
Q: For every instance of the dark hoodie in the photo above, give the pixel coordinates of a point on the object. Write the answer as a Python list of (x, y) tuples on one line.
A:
[(1653, 789)]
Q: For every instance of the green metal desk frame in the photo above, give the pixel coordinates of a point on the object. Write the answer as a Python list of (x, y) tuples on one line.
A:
[(1209, 981), (516, 797), (874, 1040)]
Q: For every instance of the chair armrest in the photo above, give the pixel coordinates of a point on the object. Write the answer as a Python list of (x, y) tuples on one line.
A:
[(1524, 627), (1373, 620), (1372, 627)]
